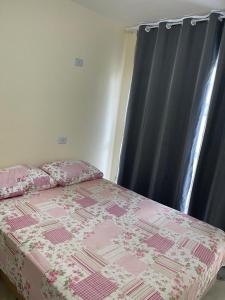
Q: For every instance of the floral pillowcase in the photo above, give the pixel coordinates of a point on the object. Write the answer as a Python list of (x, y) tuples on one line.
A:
[(11, 181), (71, 171), (39, 180), (15, 181)]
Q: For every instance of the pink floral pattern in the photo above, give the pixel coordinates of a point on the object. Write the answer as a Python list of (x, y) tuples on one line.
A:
[(71, 171), (37, 179), (96, 240), (11, 181)]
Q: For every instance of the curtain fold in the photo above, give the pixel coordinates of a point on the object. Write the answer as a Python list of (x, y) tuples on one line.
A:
[(171, 75), (208, 195)]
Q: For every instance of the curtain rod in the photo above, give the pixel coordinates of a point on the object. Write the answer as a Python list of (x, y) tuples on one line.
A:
[(172, 22)]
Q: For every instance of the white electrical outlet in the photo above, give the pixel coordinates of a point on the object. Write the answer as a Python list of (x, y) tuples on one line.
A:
[(62, 140)]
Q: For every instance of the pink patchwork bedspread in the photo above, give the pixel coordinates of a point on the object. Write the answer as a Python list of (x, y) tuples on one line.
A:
[(96, 240)]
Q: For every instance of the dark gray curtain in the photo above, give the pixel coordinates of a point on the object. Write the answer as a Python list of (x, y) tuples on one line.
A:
[(208, 194), (171, 76)]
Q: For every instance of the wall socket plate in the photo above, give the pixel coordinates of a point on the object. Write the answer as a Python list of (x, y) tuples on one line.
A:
[(62, 140), (78, 62)]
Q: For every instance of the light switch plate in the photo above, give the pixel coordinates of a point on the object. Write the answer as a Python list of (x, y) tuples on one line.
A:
[(62, 140), (78, 62)]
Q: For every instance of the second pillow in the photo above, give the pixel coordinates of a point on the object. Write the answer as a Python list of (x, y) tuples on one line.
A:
[(71, 171)]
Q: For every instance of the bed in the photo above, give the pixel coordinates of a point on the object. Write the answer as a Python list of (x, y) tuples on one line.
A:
[(96, 240)]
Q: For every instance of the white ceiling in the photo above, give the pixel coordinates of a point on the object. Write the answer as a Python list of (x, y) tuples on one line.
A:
[(131, 12)]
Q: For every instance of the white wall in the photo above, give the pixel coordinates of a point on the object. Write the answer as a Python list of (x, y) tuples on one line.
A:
[(43, 96), (128, 65)]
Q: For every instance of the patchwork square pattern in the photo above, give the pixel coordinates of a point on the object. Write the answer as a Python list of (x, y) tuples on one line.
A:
[(155, 296), (94, 287), (58, 235), (57, 212), (188, 243), (138, 289), (147, 227), (159, 243), (21, 222), (74, 169), (202, 228), (204, 255), (131, 264), (112, 252), (89, 260), (86, 202), (71, 171), (38, 180), (11, 176), (177, 228), (103, 233), (116, 210), (45, 196), (94, 251), (11, 181), (147, 210), (167, 267)]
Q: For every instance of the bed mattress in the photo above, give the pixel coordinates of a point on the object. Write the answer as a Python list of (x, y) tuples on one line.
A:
[(96, 240)]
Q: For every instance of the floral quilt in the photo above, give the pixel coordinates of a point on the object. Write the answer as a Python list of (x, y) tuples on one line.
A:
[(96, 240)]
